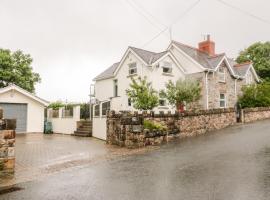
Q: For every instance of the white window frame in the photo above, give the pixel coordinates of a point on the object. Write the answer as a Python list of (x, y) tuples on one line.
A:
[(96, 110), (115, 88), (165, 103), (132, 67), (102, 109), (222, 100), (167, 65), (221, 74)]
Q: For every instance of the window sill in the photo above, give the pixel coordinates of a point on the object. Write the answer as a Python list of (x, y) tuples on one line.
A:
[(132, 75), (222, 81), (163, 107), (167, 74), (114, 97)]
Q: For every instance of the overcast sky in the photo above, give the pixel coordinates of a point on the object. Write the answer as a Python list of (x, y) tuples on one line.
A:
[(72, 41)]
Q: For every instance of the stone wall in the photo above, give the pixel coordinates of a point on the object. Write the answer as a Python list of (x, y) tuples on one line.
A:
[(7, 145), (126, 129), (254, 114)]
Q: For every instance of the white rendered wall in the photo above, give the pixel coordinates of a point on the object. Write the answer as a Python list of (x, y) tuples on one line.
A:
[(35, 110), (65, 125)]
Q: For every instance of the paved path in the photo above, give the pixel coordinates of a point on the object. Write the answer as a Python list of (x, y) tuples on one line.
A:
[(38, 155), (233, 164)]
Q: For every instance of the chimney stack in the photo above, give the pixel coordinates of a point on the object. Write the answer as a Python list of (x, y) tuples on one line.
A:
[(207, 46)]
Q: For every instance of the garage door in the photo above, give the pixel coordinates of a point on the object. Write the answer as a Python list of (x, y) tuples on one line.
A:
[(18, 112)]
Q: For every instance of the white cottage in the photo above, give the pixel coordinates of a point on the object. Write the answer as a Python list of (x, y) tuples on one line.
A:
[(221, 77), (25, 107)]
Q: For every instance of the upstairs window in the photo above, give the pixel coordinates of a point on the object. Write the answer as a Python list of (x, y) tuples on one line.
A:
[(115, 88), (222, 100), (167, 67), (105, 107), (162, 102), (221, 74), (132, 68)]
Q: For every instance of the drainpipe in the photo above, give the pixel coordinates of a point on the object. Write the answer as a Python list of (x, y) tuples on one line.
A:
[(206, 85)]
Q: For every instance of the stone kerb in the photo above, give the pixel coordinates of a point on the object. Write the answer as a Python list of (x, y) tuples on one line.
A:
[(7, 145)]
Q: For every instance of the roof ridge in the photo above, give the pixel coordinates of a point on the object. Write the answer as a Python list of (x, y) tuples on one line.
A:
[(148, 50), (217, 55), (241, 64), (141, 49), (195, 48)]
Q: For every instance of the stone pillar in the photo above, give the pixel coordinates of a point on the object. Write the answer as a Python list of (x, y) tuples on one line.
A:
[(7, 146)]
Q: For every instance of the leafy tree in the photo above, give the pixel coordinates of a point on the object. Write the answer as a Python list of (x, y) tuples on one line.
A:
[(182, 92), (255, 96), (56, 105), (15, 67), (259, 54), (142, 95)]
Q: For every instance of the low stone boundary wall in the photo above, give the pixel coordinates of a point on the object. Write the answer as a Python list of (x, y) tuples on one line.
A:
[(254, 114), (126, 129), (7, 146)]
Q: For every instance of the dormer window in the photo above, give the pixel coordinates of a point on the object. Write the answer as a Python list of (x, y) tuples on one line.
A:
[(132, 68), (167, 67), (221, 74)]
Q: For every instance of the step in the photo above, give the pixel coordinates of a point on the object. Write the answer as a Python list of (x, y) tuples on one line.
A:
[(86, 122), (82, 133), (84, 129)]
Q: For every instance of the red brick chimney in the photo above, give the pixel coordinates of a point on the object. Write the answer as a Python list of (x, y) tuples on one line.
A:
[(207, 46)]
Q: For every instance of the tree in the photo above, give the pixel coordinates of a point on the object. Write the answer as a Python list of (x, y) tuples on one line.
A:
[(142, 95), (256, 95), (182, 92), (15, 67), (259, 54), (56, 105)]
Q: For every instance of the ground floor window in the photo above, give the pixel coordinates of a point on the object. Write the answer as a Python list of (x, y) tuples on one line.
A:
[(97, 112), (129, 101), (105, 107), (222, 100)]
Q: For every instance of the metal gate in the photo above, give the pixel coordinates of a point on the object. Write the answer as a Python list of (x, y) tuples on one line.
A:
[(18, 112)]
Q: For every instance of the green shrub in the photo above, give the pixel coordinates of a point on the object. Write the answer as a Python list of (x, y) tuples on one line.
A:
[(255, 96), (56, 105), (151, 125)]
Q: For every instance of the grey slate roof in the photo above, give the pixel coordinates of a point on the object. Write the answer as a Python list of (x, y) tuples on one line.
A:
[(148, 56), (211, 62), (201, 57), (108, 73)]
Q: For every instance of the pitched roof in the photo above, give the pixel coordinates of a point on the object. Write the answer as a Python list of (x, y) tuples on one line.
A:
[(108, 73), (24, 92), (148, 57), (211, 62), (201, 57)]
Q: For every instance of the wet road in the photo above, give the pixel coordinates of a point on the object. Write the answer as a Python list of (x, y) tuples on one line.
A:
[(232, 164)]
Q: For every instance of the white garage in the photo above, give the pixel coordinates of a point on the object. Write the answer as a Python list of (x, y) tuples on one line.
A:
[(25, 107)]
